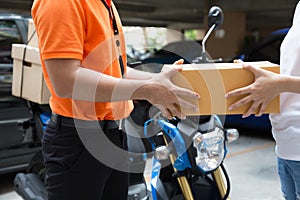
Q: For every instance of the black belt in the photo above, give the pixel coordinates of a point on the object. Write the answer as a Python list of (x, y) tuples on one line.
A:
[(72, 122)]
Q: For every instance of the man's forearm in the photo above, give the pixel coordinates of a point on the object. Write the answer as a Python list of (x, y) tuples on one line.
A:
[(70, 80), (98, 87), (137, 74)]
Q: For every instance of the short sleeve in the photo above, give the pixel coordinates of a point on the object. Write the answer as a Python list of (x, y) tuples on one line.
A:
[(60, 26)]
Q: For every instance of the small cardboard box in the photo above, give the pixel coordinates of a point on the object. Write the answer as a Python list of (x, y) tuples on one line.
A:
[(28, 80), (32, 37), (213, 80)]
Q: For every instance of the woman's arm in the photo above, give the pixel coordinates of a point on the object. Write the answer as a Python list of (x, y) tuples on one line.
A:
[(290, 84)]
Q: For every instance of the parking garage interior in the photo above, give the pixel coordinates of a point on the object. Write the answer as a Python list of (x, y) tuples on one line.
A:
[(244, 21)]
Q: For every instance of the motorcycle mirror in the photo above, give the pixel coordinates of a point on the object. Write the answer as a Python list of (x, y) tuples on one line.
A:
[(215, 17), (232, 135)]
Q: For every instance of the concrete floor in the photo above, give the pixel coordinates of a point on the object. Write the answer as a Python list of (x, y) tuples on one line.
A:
[(251, 165), (6, 187)]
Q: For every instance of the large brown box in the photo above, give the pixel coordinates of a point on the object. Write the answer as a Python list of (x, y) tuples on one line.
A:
[(213, 80), (28, 81)]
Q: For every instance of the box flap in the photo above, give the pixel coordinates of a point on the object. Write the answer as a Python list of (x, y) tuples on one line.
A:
[(32, 54)]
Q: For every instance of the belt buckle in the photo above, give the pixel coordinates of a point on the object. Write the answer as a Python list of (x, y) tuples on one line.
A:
[(120, 125), (54, 118), (111, 124), (114, 124)]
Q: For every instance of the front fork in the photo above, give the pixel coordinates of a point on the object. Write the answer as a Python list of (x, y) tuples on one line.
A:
[(220, 183), (182, 180)]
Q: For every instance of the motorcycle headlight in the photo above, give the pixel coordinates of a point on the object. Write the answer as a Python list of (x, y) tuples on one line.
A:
[(210, 149)]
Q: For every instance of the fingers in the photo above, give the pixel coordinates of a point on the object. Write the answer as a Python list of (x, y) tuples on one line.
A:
[(237, 61), (251, 68), (179, 62), (179, 104), (172, 111), (239, 91), (185, 93), (165, 112), (169, 114), (252, 109), (262, 109), (255, 70), (239, 103), (254, 106), (170, 70), (188, 105), (176, 109)]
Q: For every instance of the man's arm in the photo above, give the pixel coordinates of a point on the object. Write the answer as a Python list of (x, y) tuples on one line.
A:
[(138, 74), (70, 80)]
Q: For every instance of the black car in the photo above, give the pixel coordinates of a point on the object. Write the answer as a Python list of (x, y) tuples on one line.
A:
[(19, 133), (187, 50), (267, 48)]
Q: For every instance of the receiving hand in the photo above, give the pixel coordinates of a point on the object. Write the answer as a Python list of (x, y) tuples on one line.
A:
[(260, 92)]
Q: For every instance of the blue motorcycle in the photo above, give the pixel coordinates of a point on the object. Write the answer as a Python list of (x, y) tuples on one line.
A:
[(188, 158)]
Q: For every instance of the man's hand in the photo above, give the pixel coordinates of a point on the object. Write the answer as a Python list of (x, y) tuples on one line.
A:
[(260, 92), (170, 98)]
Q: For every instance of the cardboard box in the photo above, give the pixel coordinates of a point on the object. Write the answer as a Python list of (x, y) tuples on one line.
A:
[(213, 80), (28, 80), (32, 37)]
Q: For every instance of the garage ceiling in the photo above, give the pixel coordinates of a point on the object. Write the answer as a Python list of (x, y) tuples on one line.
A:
[(259, 13), (189, 14)]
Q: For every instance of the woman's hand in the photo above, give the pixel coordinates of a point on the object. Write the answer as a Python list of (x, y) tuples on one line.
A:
[(265, 87)]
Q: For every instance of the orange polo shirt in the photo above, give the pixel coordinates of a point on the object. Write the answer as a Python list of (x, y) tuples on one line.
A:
[(80, 29)]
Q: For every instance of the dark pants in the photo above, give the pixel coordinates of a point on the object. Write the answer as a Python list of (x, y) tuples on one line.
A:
[(74, 173)]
